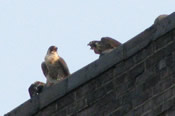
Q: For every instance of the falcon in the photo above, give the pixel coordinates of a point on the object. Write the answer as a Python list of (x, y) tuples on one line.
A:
[(105, 45), (54, 67), (36, 88)]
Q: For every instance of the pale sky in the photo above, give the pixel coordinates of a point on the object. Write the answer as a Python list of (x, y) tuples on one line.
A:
[(29, 27)]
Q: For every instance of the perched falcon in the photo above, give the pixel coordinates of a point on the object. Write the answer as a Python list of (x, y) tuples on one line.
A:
[(36, 88), (105, 45), (54, 67)]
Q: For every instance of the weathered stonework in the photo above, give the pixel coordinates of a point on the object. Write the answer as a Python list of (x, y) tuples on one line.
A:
[(136, 79)]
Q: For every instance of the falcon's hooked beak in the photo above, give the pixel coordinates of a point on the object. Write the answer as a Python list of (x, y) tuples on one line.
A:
[(90, 44)]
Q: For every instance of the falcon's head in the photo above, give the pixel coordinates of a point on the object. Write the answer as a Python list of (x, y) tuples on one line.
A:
[(95, 45), (52, 54), (36, 88), (52, 49)]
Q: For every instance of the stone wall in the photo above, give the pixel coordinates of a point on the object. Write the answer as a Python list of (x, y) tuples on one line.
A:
[(136, 79)]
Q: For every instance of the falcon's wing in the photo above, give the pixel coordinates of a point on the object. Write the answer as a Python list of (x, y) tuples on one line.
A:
[(64, 66), (44, 68), (110, 42)]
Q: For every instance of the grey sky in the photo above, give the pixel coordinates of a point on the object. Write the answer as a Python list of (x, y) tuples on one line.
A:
[(29, 27)]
